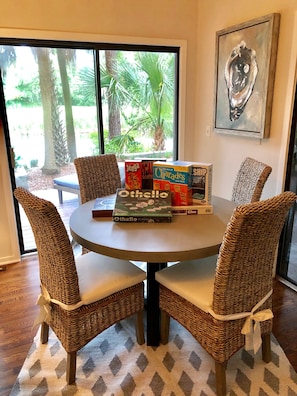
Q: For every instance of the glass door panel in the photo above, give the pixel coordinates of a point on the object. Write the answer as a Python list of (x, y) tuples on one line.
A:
[(138, 93), (287, 258), (67, 102), (51, 110)]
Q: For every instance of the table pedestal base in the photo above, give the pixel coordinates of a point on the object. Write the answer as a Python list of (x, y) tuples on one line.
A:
[(153, 311)]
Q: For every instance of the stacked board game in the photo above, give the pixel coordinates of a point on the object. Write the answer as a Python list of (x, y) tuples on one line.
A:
[(139, 173), (198, 209), (176, 177), (150, 206), (103, 207)]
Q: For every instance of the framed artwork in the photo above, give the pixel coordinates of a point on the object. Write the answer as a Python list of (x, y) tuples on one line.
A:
[(244, 77)]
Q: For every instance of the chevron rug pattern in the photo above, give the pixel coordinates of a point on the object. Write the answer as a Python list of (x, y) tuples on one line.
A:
[(113, 364)]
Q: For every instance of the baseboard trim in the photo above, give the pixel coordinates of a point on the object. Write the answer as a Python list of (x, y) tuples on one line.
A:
[(287, 283)]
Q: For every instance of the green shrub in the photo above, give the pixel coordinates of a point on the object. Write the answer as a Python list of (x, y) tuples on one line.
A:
[(34, 163), (125, 143)]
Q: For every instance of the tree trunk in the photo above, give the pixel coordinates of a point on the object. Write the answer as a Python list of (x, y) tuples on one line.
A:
[(70, 132), (114, 118), (46, 89), (159, 139)]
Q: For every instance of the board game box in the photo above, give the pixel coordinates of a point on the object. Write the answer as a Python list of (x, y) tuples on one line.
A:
[(175, 176), (201, 182), (133, 174), (139, 173), (193, 209), (103, 207), (147, 171), (151, 206)]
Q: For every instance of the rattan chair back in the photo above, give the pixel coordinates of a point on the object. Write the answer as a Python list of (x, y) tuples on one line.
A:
[(250, 181), (98, 176), (56, 261), (247, 255), (242, 284), (74, 322)]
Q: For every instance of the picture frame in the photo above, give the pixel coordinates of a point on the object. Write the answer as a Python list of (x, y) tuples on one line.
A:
[(244, 77)]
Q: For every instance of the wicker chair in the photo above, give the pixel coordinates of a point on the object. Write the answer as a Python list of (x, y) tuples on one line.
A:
[(83, 295), (98, 176), (210, 297), (250, 181)]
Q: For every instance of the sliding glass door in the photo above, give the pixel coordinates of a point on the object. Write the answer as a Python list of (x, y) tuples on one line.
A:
[(287, 258), (65, 100)]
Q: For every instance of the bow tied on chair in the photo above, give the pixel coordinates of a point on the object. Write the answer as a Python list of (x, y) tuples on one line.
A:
[(253, 339), (44, 300), (44, 314), (252, 329)]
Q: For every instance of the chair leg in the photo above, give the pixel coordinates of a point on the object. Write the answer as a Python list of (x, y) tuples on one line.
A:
[(165, 323), (71, 367), (139, 328), (44, 333), (266, 348), (221, 379)]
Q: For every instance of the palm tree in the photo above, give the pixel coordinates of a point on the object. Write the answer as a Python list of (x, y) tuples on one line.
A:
[(49, 104), (142, 89), (147, 85), (54, 134), (67, 56), (56, 153), (114, 115), (155, 93)]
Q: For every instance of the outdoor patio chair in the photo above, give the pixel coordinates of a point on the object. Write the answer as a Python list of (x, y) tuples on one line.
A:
[(82, 296), (250, 181), (217, 298)]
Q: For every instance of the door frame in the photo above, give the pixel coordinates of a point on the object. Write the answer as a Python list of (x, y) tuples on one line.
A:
[(8, 36), (290, 185)]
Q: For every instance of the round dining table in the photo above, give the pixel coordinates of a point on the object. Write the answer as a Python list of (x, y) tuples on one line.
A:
[(187, 237)]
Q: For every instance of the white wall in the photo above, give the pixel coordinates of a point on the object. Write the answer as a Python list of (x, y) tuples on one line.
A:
[(226, 151), (9, 248)]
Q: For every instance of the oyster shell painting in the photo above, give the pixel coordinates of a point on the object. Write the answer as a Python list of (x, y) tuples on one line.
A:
[(241, 71)]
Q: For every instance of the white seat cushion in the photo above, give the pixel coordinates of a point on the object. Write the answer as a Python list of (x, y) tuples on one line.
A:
[(193, 280), (100, 276)]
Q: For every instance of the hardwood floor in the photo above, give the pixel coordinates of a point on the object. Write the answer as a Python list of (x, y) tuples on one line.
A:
[(18, 294), (285, 319)]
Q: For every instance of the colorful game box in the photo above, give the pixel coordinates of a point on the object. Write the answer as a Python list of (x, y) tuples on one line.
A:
[(175, 176), (147, 171), (104, 206), (146, 206), (133, 174), (201, 182)]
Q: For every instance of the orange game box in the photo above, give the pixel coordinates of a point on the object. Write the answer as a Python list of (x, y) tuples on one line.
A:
[(133, 175), (175, 176)]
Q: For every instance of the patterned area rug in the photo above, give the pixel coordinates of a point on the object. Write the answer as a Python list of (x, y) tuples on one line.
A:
[(113, 364)]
